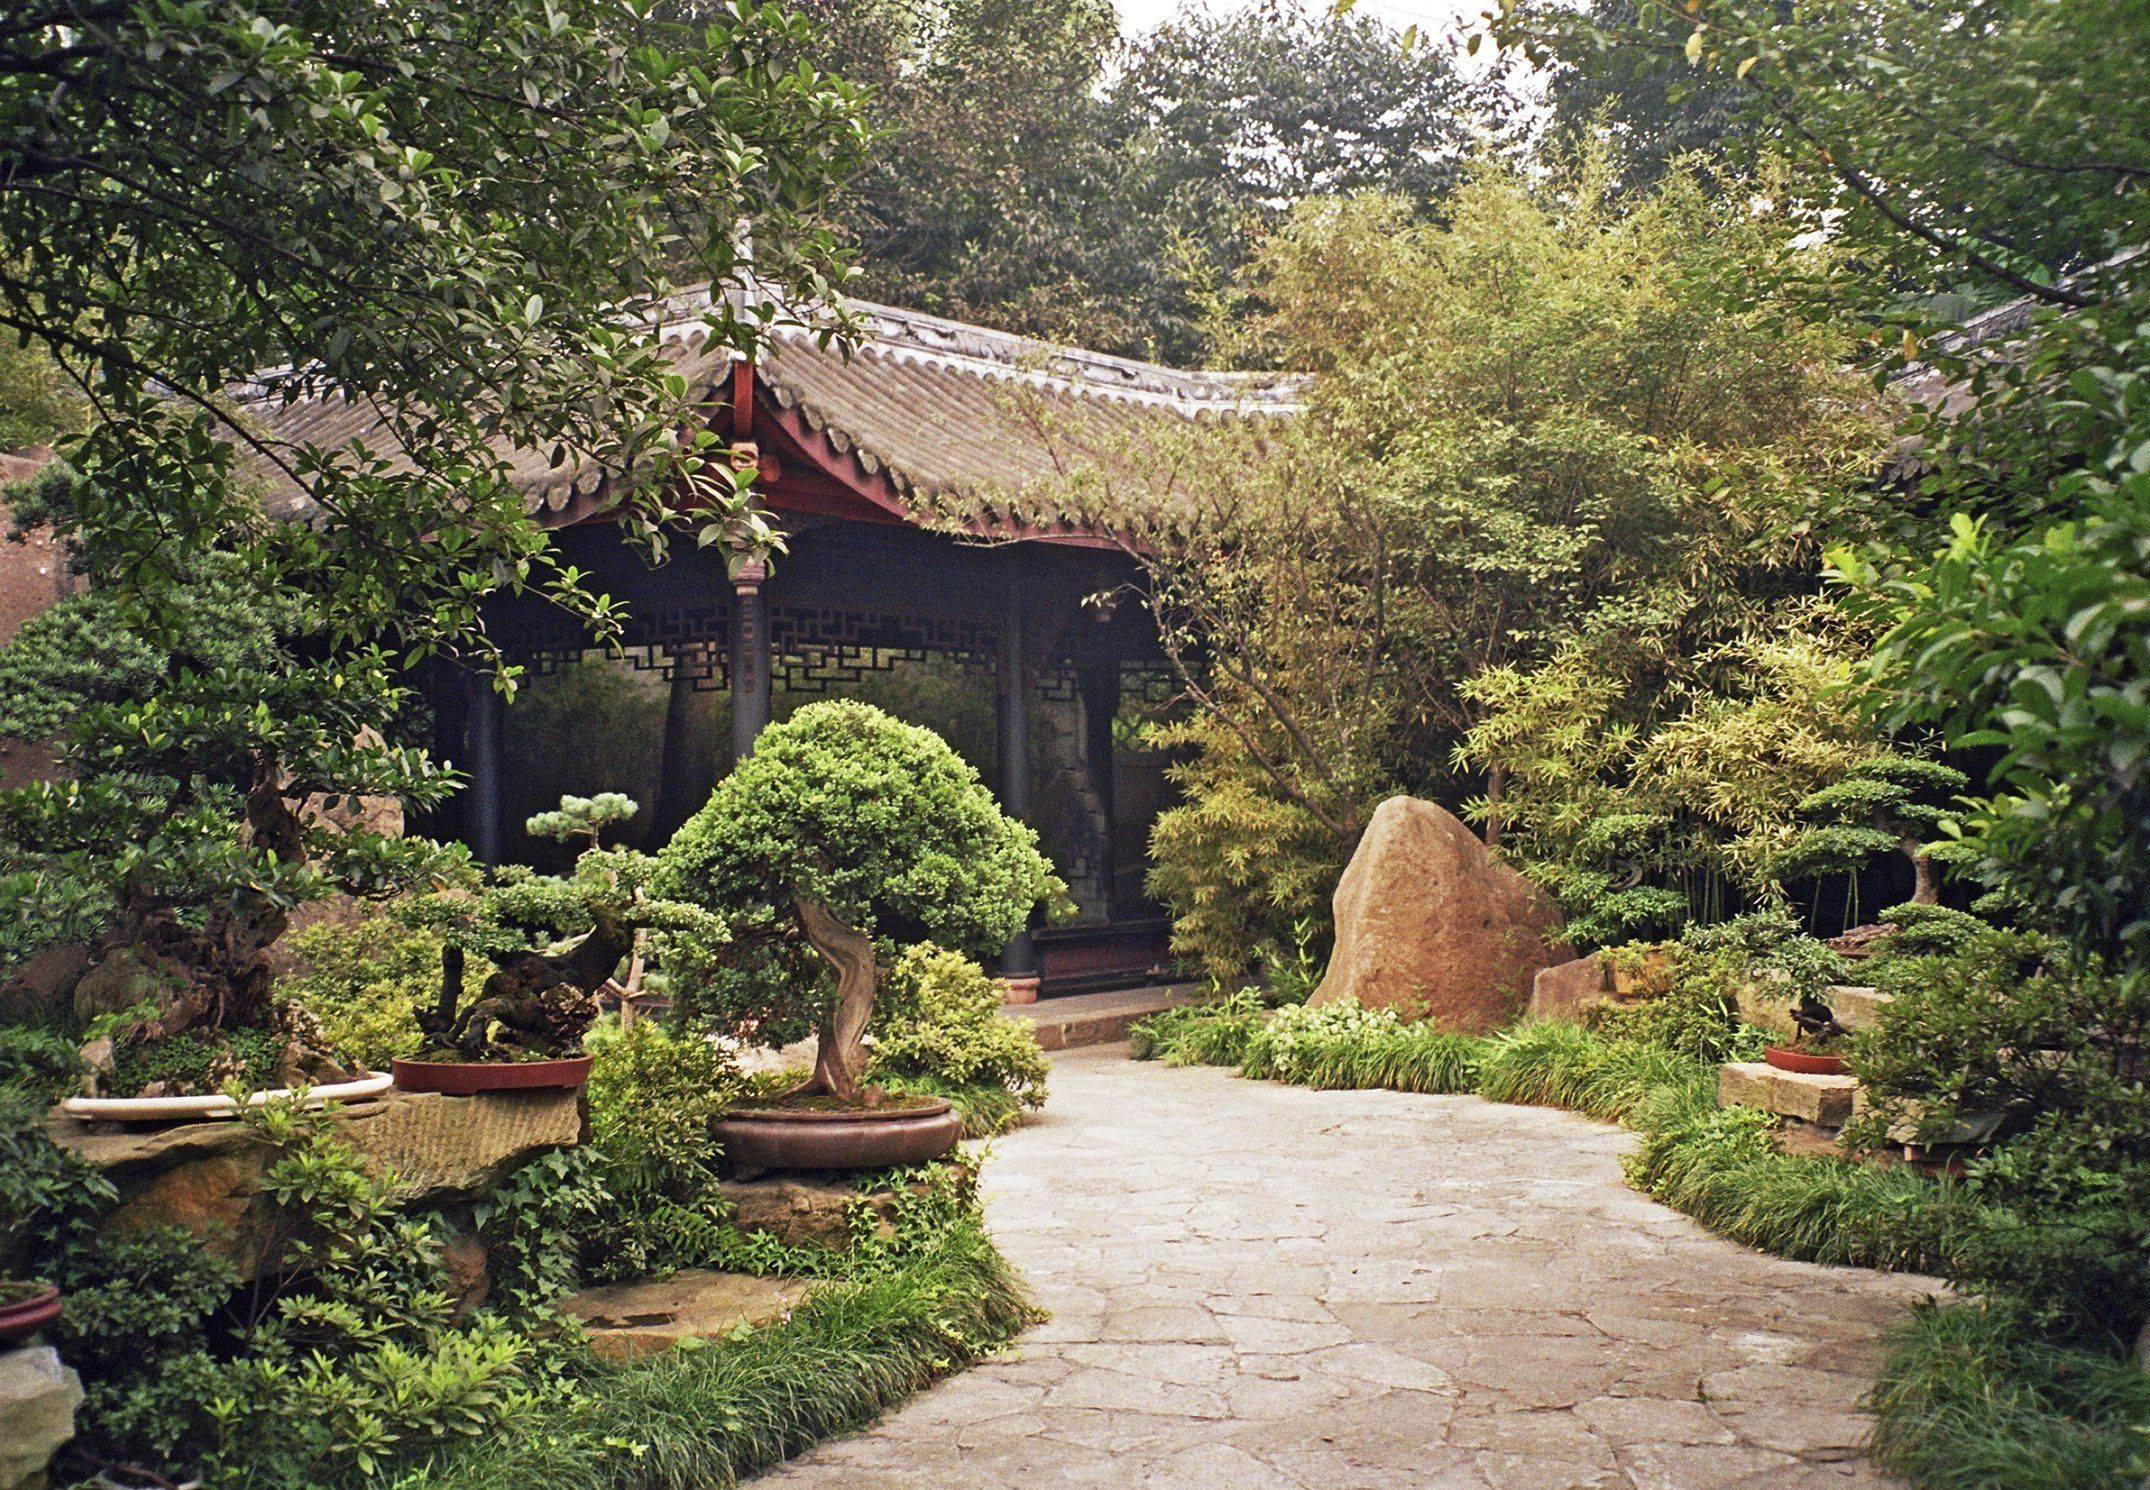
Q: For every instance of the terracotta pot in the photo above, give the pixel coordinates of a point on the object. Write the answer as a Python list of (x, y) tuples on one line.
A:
[(466, 1078), (1784, 1058), (765, 1138), (25, 1317), (1022, 990)]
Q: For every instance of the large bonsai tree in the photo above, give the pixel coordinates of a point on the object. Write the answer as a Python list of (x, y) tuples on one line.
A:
[(846, 832)]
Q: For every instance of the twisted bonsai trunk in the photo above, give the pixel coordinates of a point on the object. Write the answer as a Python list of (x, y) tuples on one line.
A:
[(839, 1054)]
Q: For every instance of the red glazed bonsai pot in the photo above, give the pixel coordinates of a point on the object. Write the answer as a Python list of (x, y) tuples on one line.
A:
[(25, 1317), (468, 1078), (1786, 1059), (774, 1138)]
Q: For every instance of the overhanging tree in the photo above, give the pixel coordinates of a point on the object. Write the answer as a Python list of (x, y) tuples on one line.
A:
[(461, 216)]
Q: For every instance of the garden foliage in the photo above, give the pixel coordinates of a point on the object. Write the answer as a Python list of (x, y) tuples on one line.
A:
[(938, 1029), (845, 831)]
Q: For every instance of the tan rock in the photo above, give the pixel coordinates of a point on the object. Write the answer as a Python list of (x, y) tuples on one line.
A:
[(206, 1177), (1428, 922), (122, 980), (1569, 989), (43, 986), (468, 1271), (1856, 1007), (628, 1321), (1826, 1100), (38, 1398), (801, 1212), (1766, 1003)]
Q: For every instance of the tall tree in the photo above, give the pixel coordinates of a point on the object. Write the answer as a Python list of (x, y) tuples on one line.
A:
[(1602, 78), (2003, 140), (459, 215), (1229, 121), (1036, 173)]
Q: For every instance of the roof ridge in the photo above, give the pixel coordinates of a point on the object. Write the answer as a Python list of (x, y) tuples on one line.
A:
[(921, 336)]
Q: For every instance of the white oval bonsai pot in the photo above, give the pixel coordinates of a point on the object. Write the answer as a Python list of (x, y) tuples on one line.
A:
[(216, 1105)]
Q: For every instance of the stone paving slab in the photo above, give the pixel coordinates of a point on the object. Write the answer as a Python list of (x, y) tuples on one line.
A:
[(1259, 1286)]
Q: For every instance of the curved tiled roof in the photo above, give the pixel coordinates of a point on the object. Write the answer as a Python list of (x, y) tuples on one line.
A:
[(941, 408)]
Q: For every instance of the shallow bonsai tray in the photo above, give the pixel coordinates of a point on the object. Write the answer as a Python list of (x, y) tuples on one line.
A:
[(468, 1078), (759, 1139), (217, 1105)]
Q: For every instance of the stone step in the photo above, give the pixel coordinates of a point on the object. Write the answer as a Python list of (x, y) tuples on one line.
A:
[(628, 1321), (1099, 1018), (1825, 1100)]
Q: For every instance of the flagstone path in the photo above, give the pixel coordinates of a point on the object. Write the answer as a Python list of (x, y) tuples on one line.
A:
[(1259, 1286)]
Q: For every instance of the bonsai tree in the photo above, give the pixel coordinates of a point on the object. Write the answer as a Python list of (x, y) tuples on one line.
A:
[(553, 941), (202, 735), (1875, 808), (846, 833)]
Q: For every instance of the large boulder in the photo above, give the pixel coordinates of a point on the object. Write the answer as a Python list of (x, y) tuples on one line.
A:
[(205, 1178), (1429, 923)]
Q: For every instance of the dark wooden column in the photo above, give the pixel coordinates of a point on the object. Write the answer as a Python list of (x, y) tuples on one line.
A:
[(482, 749), (750, 657), (1097, 675), (1012, 748)]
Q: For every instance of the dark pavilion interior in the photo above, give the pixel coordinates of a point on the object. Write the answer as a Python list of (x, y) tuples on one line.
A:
[(1023, 646)]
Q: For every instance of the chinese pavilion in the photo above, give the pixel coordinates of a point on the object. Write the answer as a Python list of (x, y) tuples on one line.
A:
[(855, 448)]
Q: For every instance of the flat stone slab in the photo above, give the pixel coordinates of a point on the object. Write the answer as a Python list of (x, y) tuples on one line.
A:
[(1070, 1021), (206, 1177), (1262, 1287), (628, 1321), (1826, 1100)]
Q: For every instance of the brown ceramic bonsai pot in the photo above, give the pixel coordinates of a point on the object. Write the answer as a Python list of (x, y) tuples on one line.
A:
[(26, 1308), (1784, 1058), (759, 1139), (468, 1078)]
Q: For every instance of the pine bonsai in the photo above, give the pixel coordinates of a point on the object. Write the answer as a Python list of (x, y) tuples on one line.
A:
[(553, 942), (1880, 806), (844, 834)]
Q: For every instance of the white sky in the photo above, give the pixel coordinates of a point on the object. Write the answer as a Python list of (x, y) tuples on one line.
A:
[(1435, 19)]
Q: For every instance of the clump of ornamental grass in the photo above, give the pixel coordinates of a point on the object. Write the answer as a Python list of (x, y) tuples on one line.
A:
[(1553, 1064), (1346, 1046), (1206, 1034), (1973, 1398), (1722, 1167)]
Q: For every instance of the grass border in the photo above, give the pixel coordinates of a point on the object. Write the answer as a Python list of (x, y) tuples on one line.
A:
[(705, 1418)]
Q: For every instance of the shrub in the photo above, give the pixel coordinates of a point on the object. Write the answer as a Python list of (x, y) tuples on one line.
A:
[(2061, 1216), (653, 1094), (939, 1021), (1345, 1045), (364, 979), (650, 1165), (41, 1062), (844, 828)]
